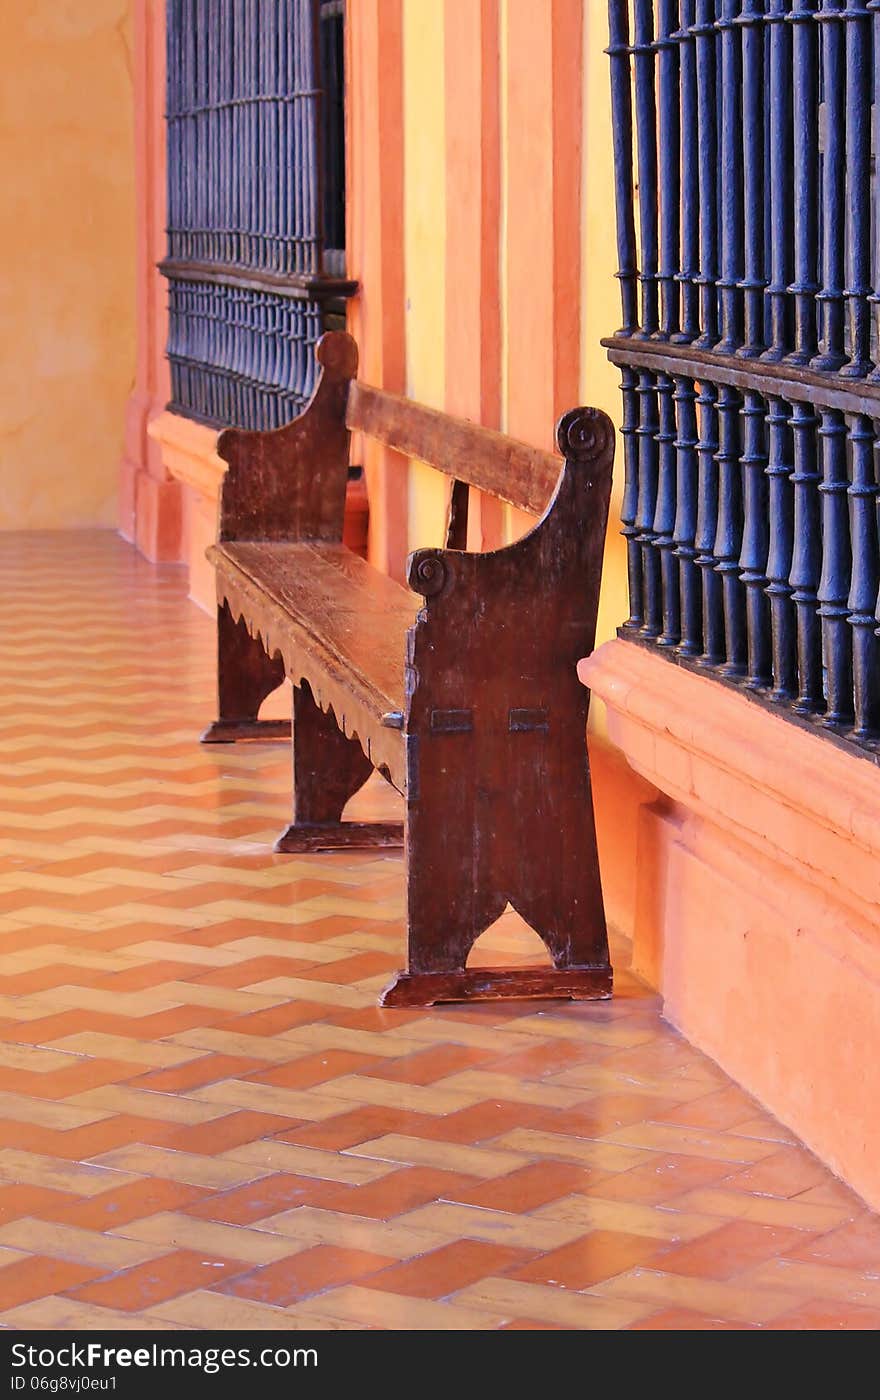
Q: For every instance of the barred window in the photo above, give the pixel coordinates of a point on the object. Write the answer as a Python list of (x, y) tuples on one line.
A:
[(256, 203), (747, 243)]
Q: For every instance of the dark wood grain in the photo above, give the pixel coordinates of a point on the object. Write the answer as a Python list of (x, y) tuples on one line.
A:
[(499, 806), (457, 516), (336, 601), (246, 675), (525, 476), (496, 983), (289, 483), (301, 838), (335, 622), (461, 689)]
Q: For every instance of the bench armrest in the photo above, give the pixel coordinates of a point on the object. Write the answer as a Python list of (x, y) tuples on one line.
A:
[(289, 483), (560, 558), (526, 610)]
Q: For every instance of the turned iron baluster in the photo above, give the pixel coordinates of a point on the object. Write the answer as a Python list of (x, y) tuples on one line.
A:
[(780, 170), (646, 142), (805, 56), (754, 281), (780, 503), (753, 557), (253, 109), (311, 169), (830, 298), (629, 506), (690, 593), (235, 135), (703, 30), (728, 535), (707, 521), (664, 515), (268, 106), (834, 584), (669, 142), (731, 172), (173, 72), (210, 183), (863, 500), (186, 91), (874, 7), (622, 135), (264, 178), (804, 576), (283, 173), (858, 189), (198, 135), (690, 186), (227, 143), (646, 432)]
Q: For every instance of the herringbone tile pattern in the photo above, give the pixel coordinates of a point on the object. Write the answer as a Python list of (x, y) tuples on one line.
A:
[(206, 1121)]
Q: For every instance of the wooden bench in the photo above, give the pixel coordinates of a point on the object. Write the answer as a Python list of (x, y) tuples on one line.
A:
[(461, 690)]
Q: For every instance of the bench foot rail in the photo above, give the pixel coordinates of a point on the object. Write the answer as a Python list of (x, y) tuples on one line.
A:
[(493, 983), (234, 731), (309, 837)]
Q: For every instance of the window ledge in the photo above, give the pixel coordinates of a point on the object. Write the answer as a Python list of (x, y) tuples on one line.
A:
[(756, 886), (786, 791), (189, 452)]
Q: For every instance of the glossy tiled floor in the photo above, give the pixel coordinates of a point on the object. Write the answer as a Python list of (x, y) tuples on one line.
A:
[(205, 1121)]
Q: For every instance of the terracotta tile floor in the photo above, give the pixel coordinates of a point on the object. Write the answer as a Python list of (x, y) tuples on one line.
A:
[(207, 1122)]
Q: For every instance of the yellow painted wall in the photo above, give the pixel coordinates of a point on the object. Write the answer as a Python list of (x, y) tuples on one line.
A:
[(424, 233), (600, 299), (67, 246), (426, 155)]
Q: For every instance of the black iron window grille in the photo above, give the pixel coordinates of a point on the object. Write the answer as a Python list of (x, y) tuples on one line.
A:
[(256, 205), (748, 266)]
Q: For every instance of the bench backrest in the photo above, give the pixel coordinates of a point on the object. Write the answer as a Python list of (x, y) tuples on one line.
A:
[(524, 476), (288, 483)]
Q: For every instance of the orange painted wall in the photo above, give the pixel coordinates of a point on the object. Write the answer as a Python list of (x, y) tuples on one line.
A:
[(757, 883), (374, 243), (67, 218), (479, 196), (479, 184), (472, 342), (155, 512)]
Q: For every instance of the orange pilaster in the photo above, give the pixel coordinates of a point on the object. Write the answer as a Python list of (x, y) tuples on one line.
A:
[(150, 502), (543, 159), (374, 238), (473, 223)]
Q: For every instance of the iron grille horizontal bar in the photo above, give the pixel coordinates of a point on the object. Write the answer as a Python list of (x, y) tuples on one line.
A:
[(299, 286), (811, 386), (246, 100)]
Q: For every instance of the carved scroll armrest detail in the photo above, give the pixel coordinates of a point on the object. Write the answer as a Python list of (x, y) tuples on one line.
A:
[(574, 518)]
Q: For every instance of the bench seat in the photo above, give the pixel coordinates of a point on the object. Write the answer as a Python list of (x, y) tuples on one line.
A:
[(338, 623)]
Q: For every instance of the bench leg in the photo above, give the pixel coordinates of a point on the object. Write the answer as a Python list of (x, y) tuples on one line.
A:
[(245, 676), (471, 852), (328, 769)]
